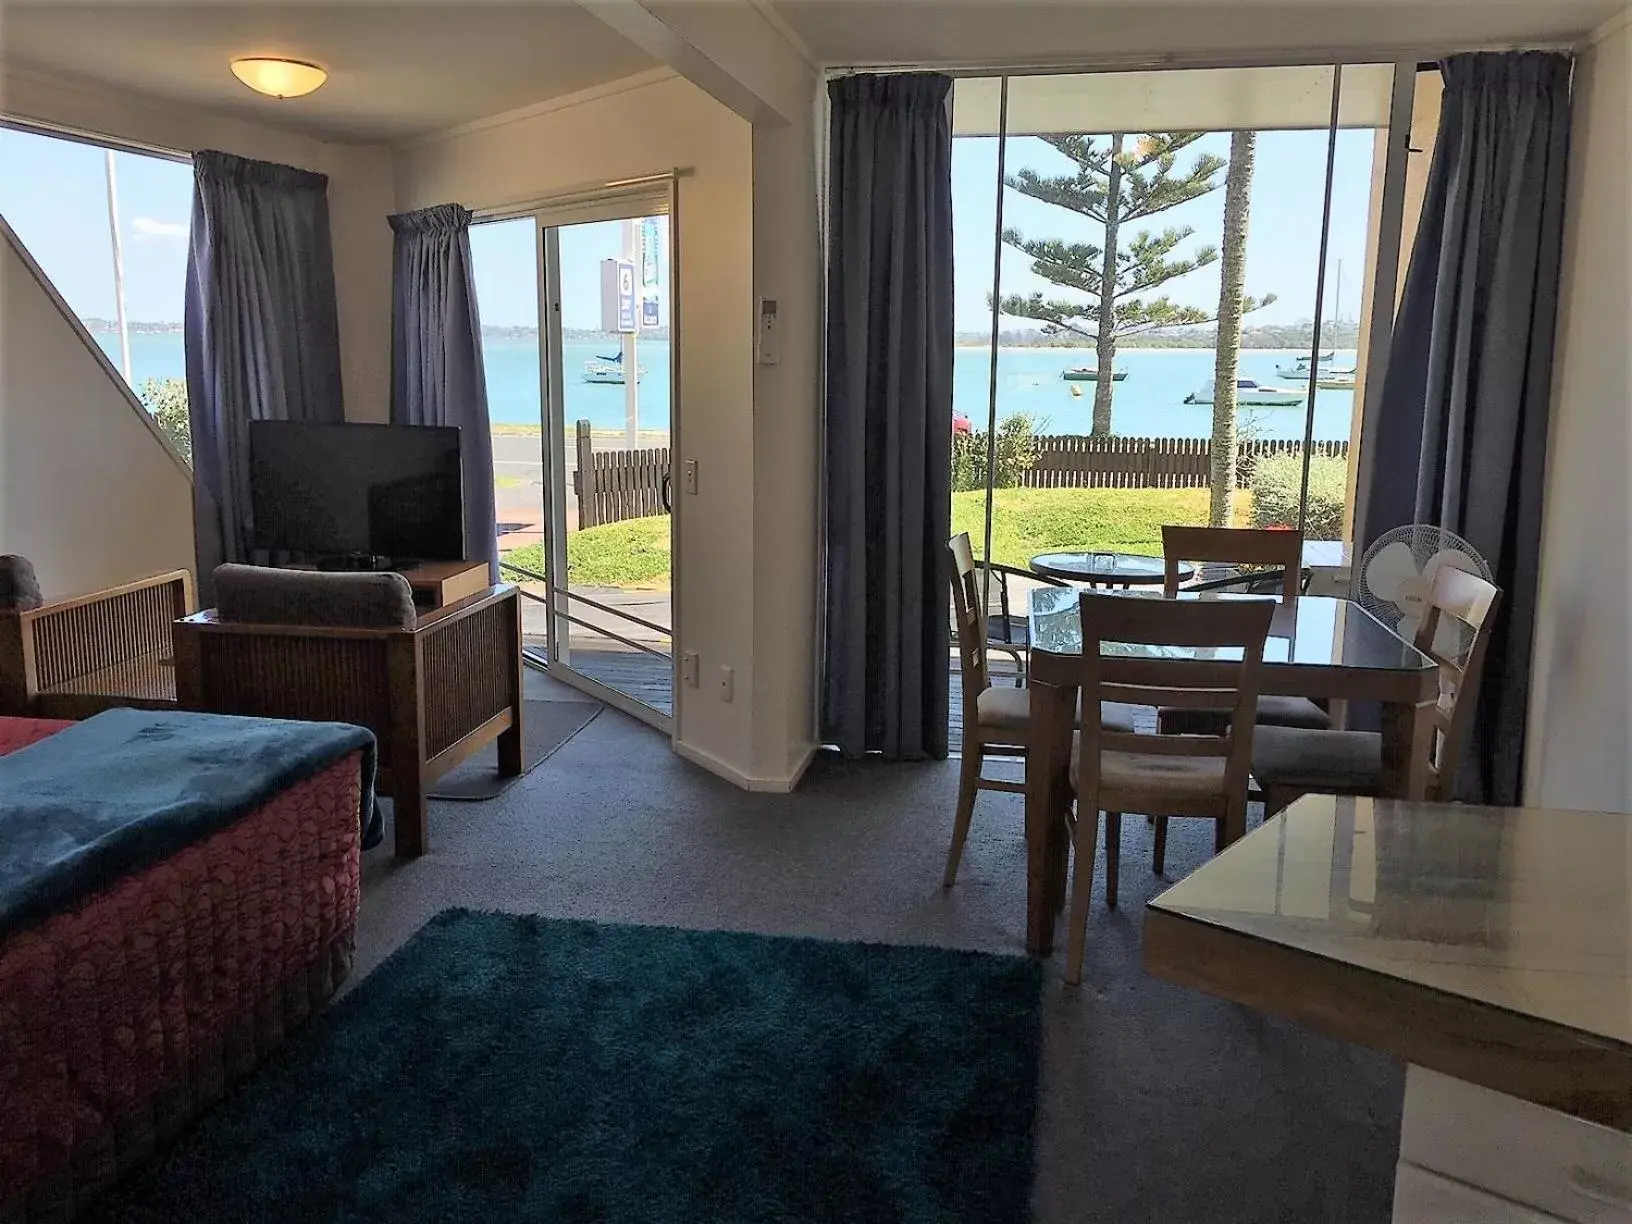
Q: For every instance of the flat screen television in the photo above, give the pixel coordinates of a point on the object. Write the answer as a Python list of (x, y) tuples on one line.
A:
[(391, 492)]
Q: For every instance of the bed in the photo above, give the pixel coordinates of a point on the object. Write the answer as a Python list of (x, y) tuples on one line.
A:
[(159, 954)]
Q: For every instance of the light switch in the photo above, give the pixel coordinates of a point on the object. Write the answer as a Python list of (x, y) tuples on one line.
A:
[(689, 476), (770, 333)]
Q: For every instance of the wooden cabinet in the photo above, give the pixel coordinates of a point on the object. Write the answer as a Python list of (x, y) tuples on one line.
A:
[(437, 584)]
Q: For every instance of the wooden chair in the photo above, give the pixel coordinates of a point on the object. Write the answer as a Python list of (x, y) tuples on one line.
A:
[(995, 720), (72, 658), (434, 689), (1161, 775), (1238, 546), (1455, 633)]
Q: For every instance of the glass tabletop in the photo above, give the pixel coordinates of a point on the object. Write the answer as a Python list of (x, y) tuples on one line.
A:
[(1105, 567), (1515, 907), (1310, 631)]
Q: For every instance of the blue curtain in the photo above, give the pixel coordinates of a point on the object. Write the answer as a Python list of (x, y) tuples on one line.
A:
[(436, 355), (1461, 441), (262, 333), (886, 662)]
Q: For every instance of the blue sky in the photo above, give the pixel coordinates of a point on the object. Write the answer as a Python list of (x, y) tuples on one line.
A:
[(54, 194), (507, 283), (1283, 244)]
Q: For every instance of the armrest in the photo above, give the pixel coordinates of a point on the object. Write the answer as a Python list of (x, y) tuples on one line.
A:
[(70, 638), (440, 618)]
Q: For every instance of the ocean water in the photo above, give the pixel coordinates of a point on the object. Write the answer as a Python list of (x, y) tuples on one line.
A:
[(1150, 403)]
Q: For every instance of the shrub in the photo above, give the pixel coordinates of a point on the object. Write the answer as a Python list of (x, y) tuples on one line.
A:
[(1016, 452), (166, 399), (1275, 483)]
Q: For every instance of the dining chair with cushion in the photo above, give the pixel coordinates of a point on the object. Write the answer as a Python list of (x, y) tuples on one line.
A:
[(1281, 553), (1454, 631), (996, 721), (1161, 775)]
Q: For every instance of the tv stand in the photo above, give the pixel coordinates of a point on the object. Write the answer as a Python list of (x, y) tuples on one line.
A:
[(439, 583), (435, 584)]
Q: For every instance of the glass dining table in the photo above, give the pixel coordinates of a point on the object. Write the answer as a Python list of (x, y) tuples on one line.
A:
[(1323, 648)]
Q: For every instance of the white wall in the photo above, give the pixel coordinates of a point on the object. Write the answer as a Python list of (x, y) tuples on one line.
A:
[(88, 492), (360, 197), (1580, 746), (787, 447), (650, 127)]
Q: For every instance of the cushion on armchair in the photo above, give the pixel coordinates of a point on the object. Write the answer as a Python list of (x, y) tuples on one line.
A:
[(257, 595), (19, 587)]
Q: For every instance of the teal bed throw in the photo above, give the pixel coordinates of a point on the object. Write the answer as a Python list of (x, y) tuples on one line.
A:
[(117, 793)]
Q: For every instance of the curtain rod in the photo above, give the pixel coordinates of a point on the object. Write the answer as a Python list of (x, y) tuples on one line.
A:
[(585, 194), (1293, 58)]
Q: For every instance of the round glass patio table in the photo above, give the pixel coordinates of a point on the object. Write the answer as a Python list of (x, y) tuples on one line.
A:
[(1106, 568)]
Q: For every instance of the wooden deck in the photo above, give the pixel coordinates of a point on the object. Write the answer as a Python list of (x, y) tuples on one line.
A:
[(647, 678)]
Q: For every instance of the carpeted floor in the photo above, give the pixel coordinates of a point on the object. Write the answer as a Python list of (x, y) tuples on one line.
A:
[(506, 1067), (1157, 1104)]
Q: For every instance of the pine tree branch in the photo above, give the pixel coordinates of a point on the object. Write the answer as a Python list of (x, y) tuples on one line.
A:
[(1056, 316), (1081, 194), (1071, 265)]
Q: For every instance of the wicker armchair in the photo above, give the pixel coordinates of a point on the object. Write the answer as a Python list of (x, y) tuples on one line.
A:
[(434, 688), (72, 658)]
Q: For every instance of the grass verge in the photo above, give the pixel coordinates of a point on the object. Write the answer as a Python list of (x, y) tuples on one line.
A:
[(1025, 522)]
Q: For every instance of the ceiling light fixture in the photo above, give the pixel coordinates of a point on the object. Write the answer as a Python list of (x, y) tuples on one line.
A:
[(278, 78)]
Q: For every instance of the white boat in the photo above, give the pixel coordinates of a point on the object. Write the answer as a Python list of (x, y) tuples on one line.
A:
[(1251, 395), (608, 370), (1330, 376)]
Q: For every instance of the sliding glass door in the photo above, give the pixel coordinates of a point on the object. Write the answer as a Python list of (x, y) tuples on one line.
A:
[(1167, 295), (584, 480)]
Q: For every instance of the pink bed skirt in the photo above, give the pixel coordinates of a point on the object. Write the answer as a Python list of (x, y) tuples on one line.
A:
[(123, 1019)]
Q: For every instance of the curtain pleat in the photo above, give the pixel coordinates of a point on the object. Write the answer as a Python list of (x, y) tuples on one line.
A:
[(1461, 442), (886, 663), (261, 328), (436, 355)]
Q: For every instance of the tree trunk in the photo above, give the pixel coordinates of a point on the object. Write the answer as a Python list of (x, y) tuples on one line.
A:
[(1232, 275), (1106, 347)]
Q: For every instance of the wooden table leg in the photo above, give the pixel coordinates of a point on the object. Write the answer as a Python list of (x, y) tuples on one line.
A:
[(1046, 760), (1408, 746)]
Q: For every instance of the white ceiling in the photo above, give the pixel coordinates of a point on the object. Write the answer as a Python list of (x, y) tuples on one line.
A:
[(397, 70), (1018, 32)]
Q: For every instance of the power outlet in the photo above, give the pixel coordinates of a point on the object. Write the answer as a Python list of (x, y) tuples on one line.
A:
[(728, 684), (690, 665), (688, 476)]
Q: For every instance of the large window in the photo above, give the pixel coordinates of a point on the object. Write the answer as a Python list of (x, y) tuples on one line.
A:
[(109, 228), (1132, 239)]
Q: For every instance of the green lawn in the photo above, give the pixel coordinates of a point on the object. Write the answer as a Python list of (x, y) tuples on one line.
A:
[(1025, 522), (633, 553)]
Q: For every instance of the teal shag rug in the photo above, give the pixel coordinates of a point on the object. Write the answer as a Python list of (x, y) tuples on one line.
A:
[(509, 1067)]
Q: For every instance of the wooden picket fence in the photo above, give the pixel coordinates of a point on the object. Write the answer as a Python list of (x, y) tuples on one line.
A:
[(625, 484), (1075, 461), (620, 484)]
